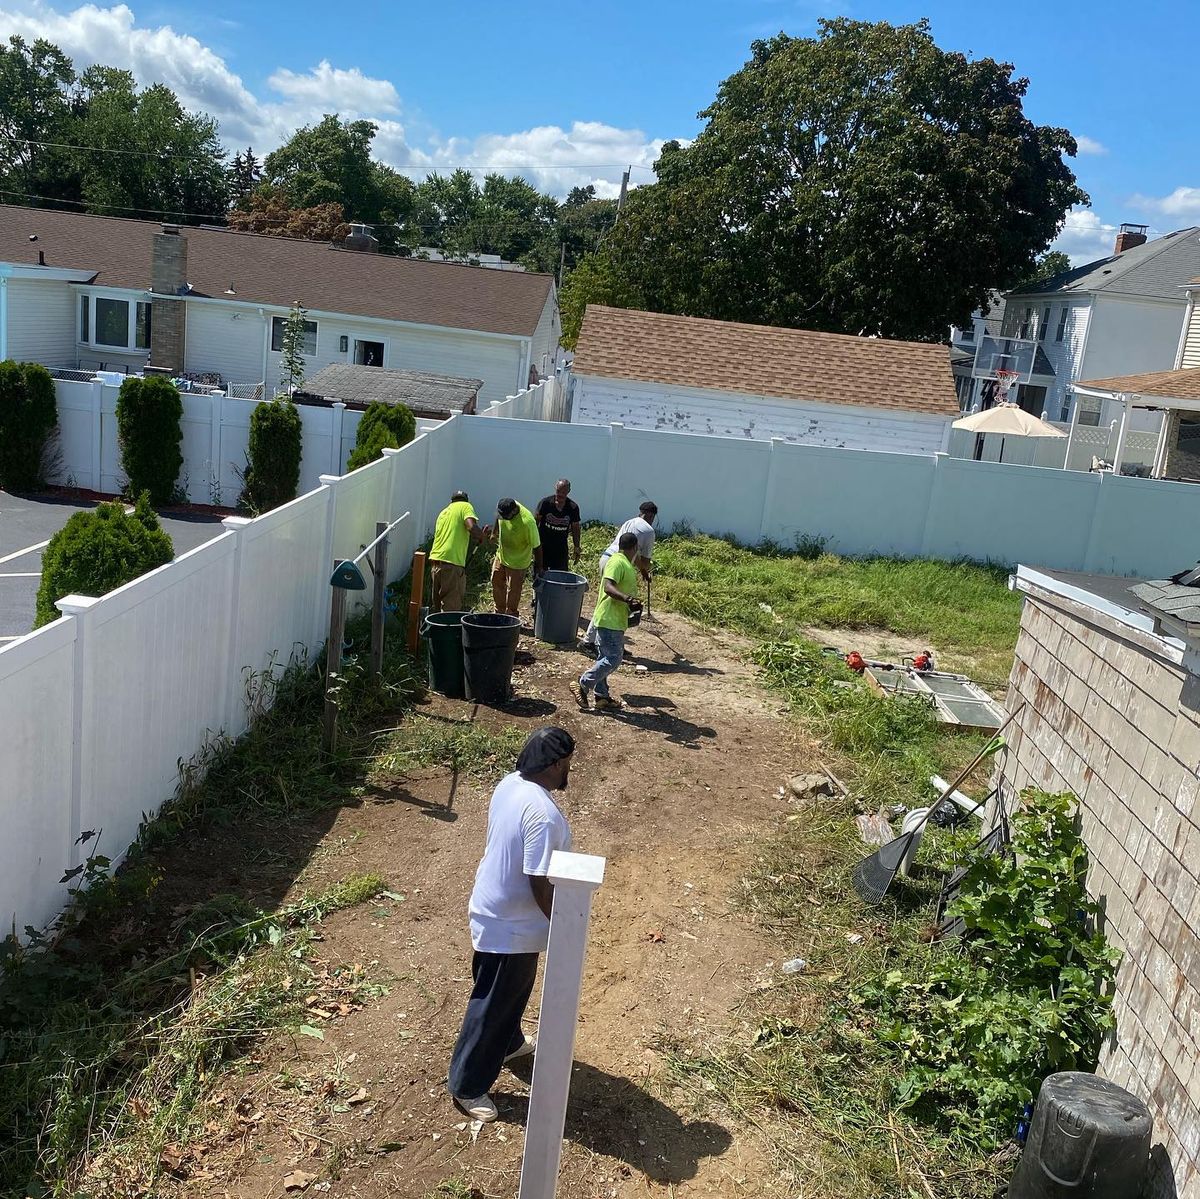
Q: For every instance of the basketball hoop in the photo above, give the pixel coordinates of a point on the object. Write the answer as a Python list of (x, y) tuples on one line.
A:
[(1005, 380)]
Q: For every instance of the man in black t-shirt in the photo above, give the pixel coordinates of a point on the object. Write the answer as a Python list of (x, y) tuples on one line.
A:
[(557, 518)]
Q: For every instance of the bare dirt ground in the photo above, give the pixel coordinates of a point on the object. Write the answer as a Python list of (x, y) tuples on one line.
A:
[(672, 791)]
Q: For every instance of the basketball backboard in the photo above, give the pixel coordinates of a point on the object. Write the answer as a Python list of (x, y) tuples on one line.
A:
[(999, 356)]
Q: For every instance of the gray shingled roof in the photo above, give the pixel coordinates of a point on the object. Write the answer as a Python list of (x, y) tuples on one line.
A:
[(1176, 601), (425, 394), (1160, 268)]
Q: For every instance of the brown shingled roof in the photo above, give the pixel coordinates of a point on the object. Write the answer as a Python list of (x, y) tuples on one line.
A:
[(281, 270), (790, 364), (1172, 385)]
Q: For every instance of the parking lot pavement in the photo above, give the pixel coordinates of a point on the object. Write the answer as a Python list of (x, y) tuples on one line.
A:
[(25, 527)]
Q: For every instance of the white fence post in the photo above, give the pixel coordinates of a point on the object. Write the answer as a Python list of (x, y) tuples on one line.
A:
[(97, 432), (935, 491), (335, 447), (233, 678), (77, 608), (320, 578), (764, 520), (576, 877), (615, 430), (214, 451)]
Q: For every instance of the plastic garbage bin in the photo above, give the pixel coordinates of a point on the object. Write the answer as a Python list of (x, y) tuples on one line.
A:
[(1090, 1139), (559, 602), (489, 645), (443, 642)]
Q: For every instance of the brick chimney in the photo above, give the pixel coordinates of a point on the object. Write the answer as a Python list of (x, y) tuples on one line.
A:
[(168, 277), (1130, 236)]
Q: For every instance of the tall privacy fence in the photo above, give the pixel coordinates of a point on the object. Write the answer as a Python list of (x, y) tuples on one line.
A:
[(1076, 450), (216, 431), (98, 708)]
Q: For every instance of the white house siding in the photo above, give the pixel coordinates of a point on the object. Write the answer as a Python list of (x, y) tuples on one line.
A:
[(225, 339), (495, 360), (638, 405), (1065, 356), (41, 322), (1191, 343), (545, 337)]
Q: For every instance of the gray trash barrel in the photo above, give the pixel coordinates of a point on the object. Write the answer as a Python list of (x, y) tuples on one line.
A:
[(559, 602), (1090, 1139)]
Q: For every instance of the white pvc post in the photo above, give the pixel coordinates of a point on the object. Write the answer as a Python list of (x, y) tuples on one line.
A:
[(1119, 453), (576, 877)]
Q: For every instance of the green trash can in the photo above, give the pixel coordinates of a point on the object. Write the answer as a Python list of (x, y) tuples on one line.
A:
[(443, 642)]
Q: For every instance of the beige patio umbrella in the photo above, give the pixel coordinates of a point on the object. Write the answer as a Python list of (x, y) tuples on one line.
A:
[(1009, 421)]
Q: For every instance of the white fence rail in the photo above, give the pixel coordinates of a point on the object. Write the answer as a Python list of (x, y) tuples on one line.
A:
[(546, 401), (97, 709), (1088, 442)]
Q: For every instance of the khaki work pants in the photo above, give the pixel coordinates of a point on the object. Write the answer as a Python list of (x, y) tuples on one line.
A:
[(506, 588), (448, 587)]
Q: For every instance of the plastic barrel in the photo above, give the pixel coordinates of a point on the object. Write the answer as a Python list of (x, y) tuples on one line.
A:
[(443, 641), (1089, 1137), (559, 602), (489, 645)]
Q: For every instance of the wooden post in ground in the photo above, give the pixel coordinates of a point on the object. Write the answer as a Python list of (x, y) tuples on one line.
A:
[(333, 661), (378, 599), (576, 877), (418, 598)]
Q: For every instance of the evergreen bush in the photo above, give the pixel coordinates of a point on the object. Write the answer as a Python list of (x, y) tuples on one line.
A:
[(97, 551), (28, 414), (149, 427), (383, 426), (273, 457)]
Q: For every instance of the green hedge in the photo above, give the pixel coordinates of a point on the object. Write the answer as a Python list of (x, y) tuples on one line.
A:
[(273, 458), (383, 426), (149, 427), (97, 551), (28, 414)]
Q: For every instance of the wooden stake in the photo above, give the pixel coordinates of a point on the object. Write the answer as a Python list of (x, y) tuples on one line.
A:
[(379, 600), (333, 661), (418, 597)]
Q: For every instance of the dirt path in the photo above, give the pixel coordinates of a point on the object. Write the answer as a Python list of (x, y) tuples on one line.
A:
[(671, 792)]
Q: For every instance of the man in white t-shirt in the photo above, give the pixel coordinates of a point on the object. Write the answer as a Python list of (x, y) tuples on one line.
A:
[(642, 526), (510, 917)]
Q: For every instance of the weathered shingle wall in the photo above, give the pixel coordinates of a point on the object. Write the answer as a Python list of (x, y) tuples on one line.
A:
[(1119, 725)]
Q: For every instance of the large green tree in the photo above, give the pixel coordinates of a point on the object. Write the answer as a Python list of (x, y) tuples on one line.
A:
[(34, 84), (860, 181)]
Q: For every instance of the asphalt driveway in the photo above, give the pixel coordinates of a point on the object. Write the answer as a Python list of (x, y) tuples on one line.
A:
[(25, 527)]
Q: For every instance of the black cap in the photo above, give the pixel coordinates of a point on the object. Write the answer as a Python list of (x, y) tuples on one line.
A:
[(545, 747), (506, 509)]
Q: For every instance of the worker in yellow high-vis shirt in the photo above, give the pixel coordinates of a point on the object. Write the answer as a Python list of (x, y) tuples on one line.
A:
[(518, 546), (453, 533)]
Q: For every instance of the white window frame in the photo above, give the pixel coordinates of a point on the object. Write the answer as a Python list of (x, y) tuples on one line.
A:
[(132, 302), (1062, 323), (307, 321)]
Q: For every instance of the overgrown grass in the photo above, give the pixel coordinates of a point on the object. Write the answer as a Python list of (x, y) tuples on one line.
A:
[(114, 1024), (963, 609)]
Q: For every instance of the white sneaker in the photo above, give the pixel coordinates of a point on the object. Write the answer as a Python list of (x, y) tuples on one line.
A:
[(481, 1109), (526, 1049)]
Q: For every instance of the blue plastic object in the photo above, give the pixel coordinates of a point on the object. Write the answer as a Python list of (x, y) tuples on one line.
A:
[(347, 576)]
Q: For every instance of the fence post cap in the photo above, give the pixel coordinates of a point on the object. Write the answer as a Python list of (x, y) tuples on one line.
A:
[(236, 522), (390, 451), (576, 869), (339, 403), (75, 605), (329, 480)]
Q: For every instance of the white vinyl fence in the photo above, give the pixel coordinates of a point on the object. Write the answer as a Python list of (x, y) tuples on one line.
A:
[(545, 401), (97, 709), (1088, 442)]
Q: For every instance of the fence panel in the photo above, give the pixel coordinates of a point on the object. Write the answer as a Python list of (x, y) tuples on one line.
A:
[(155, 652), (1148, 527), (36, 685)]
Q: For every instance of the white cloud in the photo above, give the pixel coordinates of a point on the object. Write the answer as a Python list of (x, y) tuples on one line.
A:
[(1085, 237), (550, 157), (1089, 145), (1183, 204)]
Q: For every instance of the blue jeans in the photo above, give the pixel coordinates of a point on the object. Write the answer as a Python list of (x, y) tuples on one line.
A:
[(610, 644), (491, 1029)]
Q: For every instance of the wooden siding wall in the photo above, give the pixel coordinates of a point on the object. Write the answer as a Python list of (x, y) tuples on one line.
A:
[(1118, 725)]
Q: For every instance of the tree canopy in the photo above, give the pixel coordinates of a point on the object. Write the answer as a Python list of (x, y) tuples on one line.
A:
[(860, 181)]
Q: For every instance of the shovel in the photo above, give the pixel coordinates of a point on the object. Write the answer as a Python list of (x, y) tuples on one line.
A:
[(874, 874)]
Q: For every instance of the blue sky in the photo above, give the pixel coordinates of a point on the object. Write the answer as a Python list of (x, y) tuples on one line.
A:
[(572, 93)]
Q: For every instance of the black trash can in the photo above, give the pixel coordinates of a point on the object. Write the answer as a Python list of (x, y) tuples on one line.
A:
[(443, 641), (1090, 1139), (489, 646)]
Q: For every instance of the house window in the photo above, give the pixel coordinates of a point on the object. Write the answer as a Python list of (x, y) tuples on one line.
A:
[(1031, 399), (1062, 324), (85, 311), (1045, 323), (1026, 324), (141, 331), (112, 322), (279, 323)]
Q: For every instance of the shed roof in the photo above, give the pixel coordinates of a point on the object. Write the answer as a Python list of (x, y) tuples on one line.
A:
[(1159, 268), (280, 270), (1172, 385), (424, 393), (790, 364)]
